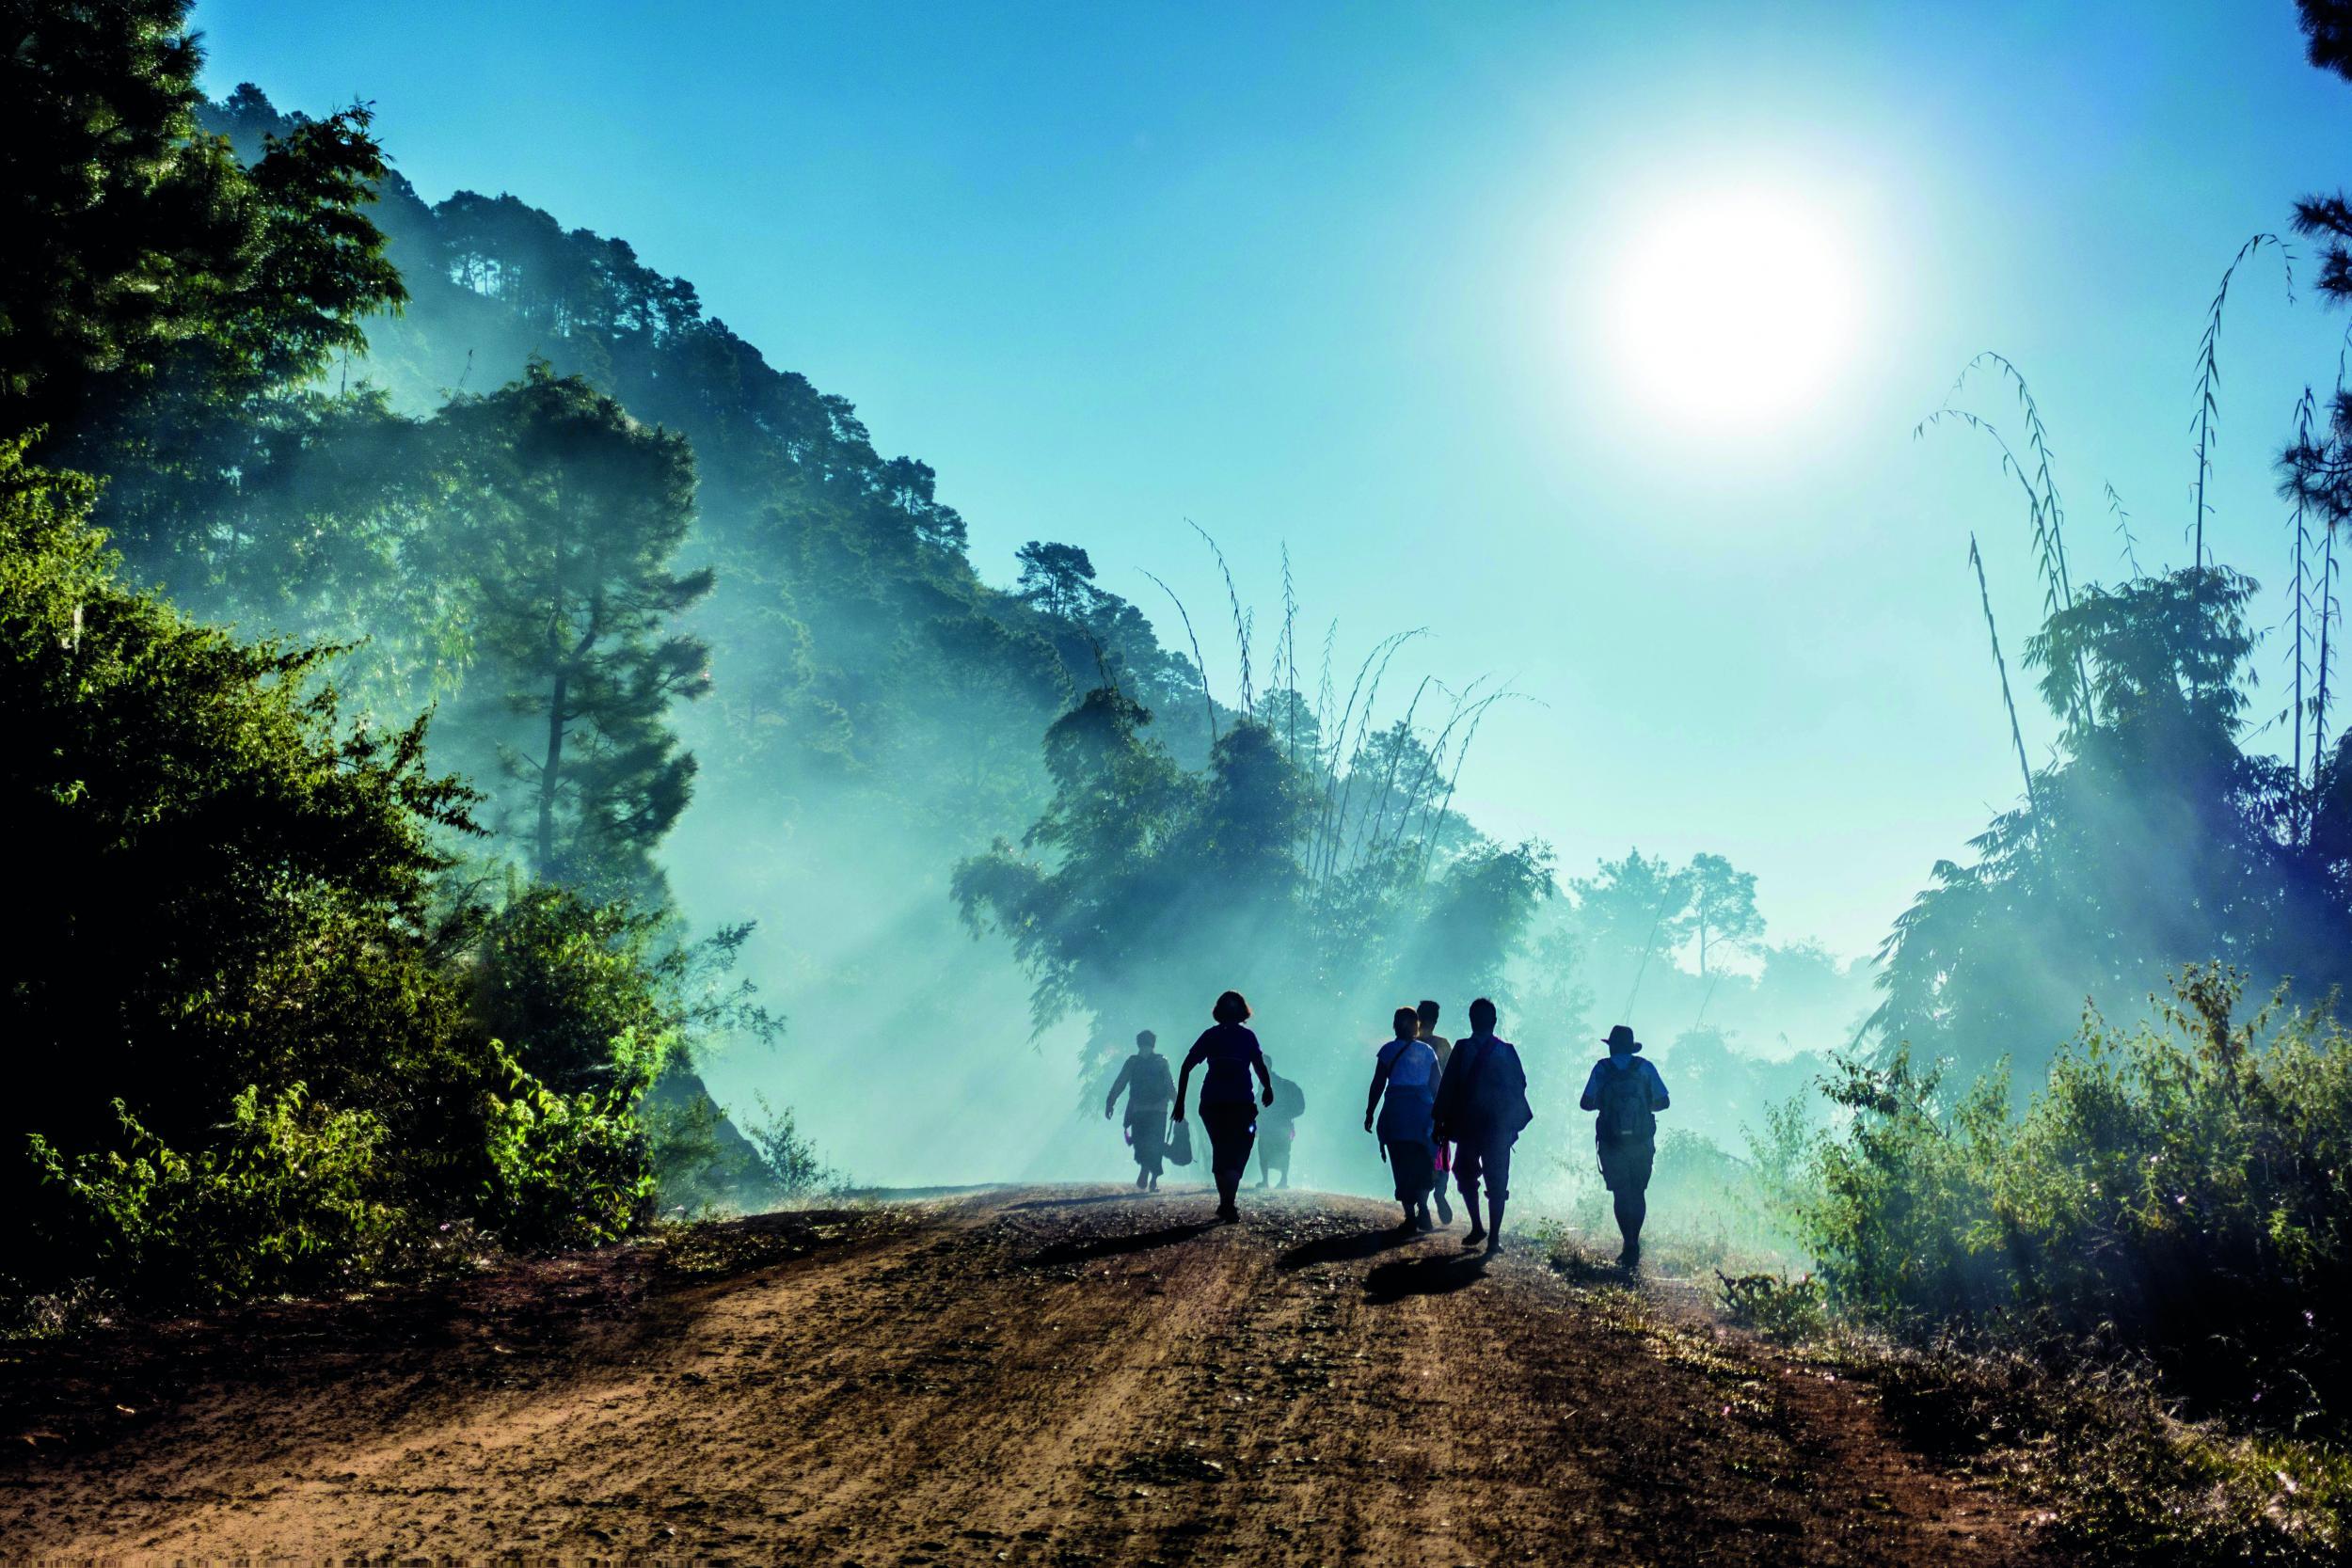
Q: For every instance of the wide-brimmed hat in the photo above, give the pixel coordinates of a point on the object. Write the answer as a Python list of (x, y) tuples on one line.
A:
[(1623, 1034)]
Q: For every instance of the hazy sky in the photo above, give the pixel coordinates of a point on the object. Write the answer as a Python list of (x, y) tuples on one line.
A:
[(1379, 281)]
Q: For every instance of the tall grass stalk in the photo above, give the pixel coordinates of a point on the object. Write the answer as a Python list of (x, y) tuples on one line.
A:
[(2328, 611), (1436, 818), (1371, 833), (2209, 373), (1363, 733), (2123, 528), (1243, 621), (1290, 660), (1207, 702), (2044, 511), (1329, 826), (2016, 735), (2300, 537), (1433, 758)]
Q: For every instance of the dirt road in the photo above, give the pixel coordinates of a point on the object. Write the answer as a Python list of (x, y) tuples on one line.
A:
[(1055, 1376)]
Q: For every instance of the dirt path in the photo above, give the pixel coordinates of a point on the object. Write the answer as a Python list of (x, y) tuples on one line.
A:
[(1045, 1376)]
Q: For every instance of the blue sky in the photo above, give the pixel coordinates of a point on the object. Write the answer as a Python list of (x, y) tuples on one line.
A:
[(1349, 277)]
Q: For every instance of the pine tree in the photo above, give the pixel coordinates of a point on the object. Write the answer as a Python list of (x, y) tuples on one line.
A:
[(579, 510)]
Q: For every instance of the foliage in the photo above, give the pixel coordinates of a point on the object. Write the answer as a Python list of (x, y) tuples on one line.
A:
[(579, 510), (2179, 1187), (1140, 878), (561, 978), (1774, 1304), (221, 864), (789, 1158), (2153, 840), (154, 289), (568, 1170), (285, 1196), (2093, 1440), (1722, 905), (258, 1042)]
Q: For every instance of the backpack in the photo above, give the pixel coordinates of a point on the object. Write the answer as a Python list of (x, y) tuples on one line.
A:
[(1289, 1101), (1473, 1111), (1625, 1115), (1151, 1082)]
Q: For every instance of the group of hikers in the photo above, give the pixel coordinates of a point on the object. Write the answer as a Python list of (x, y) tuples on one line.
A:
[(1438, 1107)]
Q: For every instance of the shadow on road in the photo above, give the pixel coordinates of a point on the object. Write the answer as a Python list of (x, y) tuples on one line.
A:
[(1394, 1281), (1078, 1203), (1114, 1246), (1344, 1248)]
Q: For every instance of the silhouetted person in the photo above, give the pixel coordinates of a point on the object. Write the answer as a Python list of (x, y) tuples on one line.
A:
[(1405, 1073), (1481, 1107), (1427, 1015), (1278, 1129), (1229, 1111), (1628, 1094), (1149, 1086)]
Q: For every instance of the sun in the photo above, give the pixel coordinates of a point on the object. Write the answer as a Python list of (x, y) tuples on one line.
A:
[(1738, 307)]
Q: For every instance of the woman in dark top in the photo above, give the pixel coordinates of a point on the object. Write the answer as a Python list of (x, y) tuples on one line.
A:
[(1228, 1110)]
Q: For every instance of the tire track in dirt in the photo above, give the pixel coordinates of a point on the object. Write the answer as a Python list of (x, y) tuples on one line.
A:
[(1042, 1376)]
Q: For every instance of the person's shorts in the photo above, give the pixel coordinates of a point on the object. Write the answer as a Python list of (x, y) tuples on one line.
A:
[(1625, 1167)]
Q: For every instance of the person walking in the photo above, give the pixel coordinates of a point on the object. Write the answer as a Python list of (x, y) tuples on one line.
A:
[(1278, 1129), (1404, 1093), (1481, 1108), (1145, 1080), (1627, 1094), (1229, 1111), (1427, 1015)]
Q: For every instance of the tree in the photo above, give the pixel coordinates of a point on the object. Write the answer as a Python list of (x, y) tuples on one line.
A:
[(1633, 909), (231, 886), (1058, 579), (1084, 917), (1475, 918), (1722, 905), (2154, 841), (153, 289), (2328, 34), (580, 509)]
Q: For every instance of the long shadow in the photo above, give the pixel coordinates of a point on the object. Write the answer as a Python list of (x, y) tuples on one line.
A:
[(1391, 1282), (1077, 1202), (1062, 1253), (1345, 1248)]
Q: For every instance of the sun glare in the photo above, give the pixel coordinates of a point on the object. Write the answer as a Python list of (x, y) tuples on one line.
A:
[(1739, 309)]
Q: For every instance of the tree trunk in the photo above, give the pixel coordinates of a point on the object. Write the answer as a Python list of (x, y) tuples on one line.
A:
[(552, 770)]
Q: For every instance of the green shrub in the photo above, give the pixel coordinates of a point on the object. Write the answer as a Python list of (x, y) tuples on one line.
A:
[(251, 1056), (568, 1170), (788, 1157), (285, 1197), (2181, 1189)]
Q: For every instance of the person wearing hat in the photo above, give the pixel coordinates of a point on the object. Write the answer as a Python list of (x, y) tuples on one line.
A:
[(1627, 1094)]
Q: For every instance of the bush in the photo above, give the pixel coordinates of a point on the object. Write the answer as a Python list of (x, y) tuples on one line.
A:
[(788, 1157), (248, 1055), (286, 1197), (1775, 1304), (2180, 1190), (2091, 1436), (568, 1170)]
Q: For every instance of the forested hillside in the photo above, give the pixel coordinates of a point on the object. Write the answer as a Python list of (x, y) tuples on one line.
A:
[(699, 728)]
